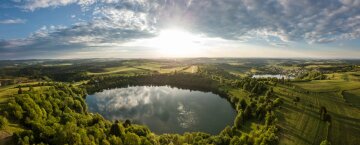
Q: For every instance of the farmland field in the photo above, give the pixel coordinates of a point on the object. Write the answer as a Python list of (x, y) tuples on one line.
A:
[(294, 104)]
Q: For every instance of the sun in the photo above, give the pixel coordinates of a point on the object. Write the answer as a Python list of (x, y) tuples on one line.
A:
[(174, 43), (177, 43)]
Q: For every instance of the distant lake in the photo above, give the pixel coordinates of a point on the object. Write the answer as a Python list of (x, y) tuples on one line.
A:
[(278, 76), (164, 109)]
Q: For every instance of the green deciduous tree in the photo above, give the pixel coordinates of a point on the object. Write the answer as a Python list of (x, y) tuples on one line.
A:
[(239, 120), (243, 103), (20, 90), (247, 112), (325, 142), (115, 140), (117, 130), (132, 139), (3, 122)]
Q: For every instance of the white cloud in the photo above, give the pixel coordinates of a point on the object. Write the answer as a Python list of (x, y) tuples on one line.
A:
[(13, 21), (289, 20), (36, 4), (32, 5), (278, 22), (123, 18), (14, 44), (45, 31), (85, 39), (129, 98)]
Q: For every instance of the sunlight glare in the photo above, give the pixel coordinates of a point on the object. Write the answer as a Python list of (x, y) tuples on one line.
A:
[(174, 43), (177, 43)]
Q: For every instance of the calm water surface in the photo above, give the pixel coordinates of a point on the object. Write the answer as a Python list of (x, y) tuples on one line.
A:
[(164, 109)]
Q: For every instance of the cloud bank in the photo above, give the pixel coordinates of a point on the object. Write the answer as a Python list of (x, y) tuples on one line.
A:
[(116, 21), (13, 21)]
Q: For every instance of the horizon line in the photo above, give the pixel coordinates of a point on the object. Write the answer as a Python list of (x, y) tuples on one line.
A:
[(166, 58)]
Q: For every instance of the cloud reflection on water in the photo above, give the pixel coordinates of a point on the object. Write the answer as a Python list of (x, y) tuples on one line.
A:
[(163, 109)]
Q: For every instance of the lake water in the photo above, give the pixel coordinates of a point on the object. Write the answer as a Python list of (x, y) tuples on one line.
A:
[(164, 109), (278, 76)]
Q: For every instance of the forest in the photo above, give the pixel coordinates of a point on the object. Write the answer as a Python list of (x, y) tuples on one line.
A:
[(45, 105)]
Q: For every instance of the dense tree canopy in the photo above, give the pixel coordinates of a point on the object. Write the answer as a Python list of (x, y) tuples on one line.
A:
[(57, 113)]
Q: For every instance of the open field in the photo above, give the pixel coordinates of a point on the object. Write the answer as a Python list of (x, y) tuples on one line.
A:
[(347, 76), (353, 97), (328, 85), (116, 70), (141, 68), (6, 92), (191, 69), (300, 122)]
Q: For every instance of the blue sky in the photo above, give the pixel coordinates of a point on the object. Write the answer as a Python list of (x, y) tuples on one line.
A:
[(179, 28)]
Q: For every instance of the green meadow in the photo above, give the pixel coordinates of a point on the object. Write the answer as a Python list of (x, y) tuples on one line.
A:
[(297, 118), (299, 121)]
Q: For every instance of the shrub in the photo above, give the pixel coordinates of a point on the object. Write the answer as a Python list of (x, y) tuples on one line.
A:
[(239, 120), (132, 139), (277, 102), (297, 99), (3, 122), (325, 142)]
